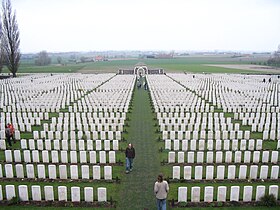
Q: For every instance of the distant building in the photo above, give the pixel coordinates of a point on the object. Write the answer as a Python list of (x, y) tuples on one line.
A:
[(100, 58)]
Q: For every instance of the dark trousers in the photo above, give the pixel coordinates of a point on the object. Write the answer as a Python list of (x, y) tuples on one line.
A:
[(9, 140)]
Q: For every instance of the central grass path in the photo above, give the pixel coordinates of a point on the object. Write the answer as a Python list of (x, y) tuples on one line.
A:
[(137, 187)]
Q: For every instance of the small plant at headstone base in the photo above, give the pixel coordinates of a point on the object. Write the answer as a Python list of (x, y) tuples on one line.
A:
[(182, 204), (220, 204), (14, 200), (84, 137), (268, 200)]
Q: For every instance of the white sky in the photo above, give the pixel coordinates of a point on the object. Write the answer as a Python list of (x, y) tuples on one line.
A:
[(97, 25)]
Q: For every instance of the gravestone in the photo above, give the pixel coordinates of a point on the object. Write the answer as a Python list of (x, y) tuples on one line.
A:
[(41, 172), (75, 194), (273, 189), (253, 172), (264, 172), (92, 157), (19, 171), (10, 192), (195, 194), (208, 194), (23, 192), (247, 193), (52, 171), (242, 172), (182, 194), (234, 193), (190, 157), (74, 172), (231, 171), (101, 194), (274, 172), (102, 157), (108, 172), (85, 171), (222, 193), (209, 172), (96, 172), (210, 157), (181, 157), (88, 192), (187, 172), (220, 172), (171, 157), (49, 195), (63, 172), (36, 193), (260, 192), (62, 193)]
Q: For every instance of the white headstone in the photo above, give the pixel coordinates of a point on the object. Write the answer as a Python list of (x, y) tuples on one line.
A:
[(222, 194), (247, 193), (96, 172), (62, 172), (208, 194), (74, 172), (182, 194), (260, 192), (49, 195), (23, 192), (195, 195), (234, 193), (242, 172), (62, 193), (101, 194), (10, 192), (88, 194), (36, 193), (273, 189), (75, 194)]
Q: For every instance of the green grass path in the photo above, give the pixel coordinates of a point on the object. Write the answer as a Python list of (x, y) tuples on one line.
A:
[(137, 187)]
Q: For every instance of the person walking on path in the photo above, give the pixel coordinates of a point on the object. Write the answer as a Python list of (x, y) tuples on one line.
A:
[(129, 156), (12, 132), (8, 135), (161, 190)]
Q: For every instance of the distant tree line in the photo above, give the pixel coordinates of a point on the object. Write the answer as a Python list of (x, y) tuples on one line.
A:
[(9, 38)]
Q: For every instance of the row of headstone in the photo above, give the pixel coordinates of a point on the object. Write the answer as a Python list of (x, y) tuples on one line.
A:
[(205, 135), (97, 114), (73, 135), (29, 115), (54, 156), (224, 193), (224, 157), (194, 145), (56, 171), (83, 127), (34, 193), (226, 172), (176, 112), (80, 145)]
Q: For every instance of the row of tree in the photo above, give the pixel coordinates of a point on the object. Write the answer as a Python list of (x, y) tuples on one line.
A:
[(9, 38)]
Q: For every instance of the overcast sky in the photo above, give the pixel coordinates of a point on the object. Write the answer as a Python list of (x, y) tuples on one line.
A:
[(97, 25)]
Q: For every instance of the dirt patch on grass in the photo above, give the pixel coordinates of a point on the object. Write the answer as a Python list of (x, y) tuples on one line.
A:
[(248, 67)]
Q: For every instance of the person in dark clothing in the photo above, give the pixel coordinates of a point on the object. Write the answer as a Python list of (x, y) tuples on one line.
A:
[(129, 156), (8, 135)]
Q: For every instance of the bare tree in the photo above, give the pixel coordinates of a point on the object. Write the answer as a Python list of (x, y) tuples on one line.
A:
[(43, 59), (11, 40)]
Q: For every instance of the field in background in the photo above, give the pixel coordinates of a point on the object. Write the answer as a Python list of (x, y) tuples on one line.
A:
[(192, 64)]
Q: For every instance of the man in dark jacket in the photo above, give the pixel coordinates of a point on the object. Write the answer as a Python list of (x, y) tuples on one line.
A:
[(129, 156)]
